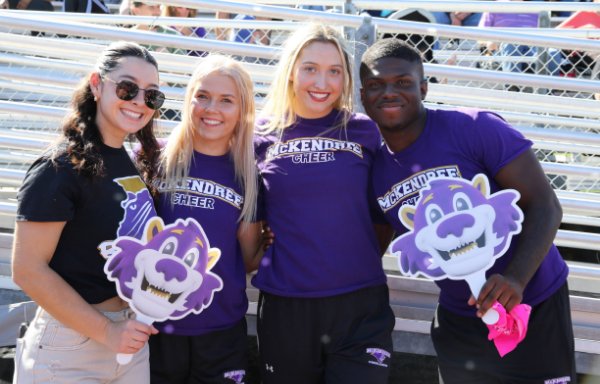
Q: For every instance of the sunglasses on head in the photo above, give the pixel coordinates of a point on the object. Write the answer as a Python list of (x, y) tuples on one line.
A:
[(127, 90)]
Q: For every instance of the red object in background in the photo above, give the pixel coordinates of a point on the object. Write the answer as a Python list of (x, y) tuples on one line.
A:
[(582, 19)]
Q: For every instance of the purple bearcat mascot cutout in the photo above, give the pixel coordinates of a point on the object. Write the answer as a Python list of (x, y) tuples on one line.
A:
[(168, 274), (456, 231), (162, 271)]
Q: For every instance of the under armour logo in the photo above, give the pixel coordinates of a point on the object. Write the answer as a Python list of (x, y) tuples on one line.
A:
[(236, 376), (269, 368), (380, 355)]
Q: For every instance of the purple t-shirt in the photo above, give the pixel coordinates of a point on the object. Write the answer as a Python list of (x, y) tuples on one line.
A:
[(315, 182), (509, 20), (460, 143), (215, 200)]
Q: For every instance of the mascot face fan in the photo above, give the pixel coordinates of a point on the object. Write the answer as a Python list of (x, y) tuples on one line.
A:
[(457, 228), (169, 275), (457, 231)]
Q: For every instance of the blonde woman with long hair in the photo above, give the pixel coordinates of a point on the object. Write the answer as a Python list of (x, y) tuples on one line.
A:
[(324, 306), (209, 174)]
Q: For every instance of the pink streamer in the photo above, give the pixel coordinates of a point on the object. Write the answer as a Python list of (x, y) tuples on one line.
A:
[(511, 327)]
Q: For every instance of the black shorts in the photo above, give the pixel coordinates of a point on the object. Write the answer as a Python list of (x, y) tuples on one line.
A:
[(218, 357), (546, 355), (345, 339)]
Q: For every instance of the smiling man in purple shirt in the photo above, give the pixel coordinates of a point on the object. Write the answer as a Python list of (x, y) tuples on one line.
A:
[(422, 144)]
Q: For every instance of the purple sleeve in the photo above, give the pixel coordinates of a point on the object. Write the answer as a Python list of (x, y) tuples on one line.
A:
[(486, 20), (495, 142)]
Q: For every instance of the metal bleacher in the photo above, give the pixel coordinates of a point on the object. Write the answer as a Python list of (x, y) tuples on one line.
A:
[(559, 114)]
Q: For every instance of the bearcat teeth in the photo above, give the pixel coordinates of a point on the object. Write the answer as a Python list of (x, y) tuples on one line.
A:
[(465, 248), (171, 297)]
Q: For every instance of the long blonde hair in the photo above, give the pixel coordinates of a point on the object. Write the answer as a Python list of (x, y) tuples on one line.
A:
[(177, 154), (278, 108)]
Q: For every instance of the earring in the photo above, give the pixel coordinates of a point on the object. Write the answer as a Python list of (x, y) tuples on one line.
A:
[(95, 98)]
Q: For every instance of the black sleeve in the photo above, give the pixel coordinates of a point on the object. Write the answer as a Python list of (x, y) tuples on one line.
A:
[(49, 192)]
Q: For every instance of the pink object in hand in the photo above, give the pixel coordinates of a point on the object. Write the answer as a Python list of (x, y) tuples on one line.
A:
[(511, 327)]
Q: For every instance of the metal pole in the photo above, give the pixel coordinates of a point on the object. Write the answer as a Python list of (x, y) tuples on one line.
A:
[(364, 38), (541, 64)]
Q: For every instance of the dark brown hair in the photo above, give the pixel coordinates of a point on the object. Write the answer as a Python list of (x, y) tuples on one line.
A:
[(81, 139)]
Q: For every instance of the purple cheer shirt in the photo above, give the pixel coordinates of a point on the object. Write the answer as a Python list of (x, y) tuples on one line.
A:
[(214, 199), (315, 181), (460, 143)]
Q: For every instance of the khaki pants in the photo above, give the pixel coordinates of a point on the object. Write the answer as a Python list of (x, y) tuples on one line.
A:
[(52, 353)]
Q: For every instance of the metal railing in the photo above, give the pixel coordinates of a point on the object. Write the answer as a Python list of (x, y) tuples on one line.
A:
[(37, 74)]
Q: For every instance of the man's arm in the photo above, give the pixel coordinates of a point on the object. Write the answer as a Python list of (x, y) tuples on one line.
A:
[(543, 215)]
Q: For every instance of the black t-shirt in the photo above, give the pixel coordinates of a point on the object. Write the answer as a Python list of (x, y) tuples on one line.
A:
[(92, 209)]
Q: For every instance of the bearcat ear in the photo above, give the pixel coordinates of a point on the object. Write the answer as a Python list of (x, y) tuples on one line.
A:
[(153, 227), (406, 214), (214, 254), (481, 183)]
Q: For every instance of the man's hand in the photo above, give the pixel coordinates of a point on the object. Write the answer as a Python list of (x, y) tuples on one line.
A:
[(505, 290)]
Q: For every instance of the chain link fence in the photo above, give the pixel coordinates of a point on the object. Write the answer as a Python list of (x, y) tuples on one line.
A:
[(41, 67), (506, 57)]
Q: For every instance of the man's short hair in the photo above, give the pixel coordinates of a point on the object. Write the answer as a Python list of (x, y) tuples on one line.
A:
[(390, 47)]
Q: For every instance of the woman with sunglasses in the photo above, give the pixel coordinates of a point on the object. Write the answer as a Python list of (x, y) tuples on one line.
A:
[(210, 175), (72, 200), (324, 314)]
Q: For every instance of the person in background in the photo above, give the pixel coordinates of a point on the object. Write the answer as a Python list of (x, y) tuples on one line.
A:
[(422, 144), (243, 35), (578, 63), (85, 6), (138, 8), (69, 203), (29, 5), (518, 20), (212, 147), (324, 313), (174, 11), (465, 19)]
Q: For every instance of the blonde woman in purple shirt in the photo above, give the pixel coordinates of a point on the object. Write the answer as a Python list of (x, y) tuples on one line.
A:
[(324, 314), (210, 175)]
